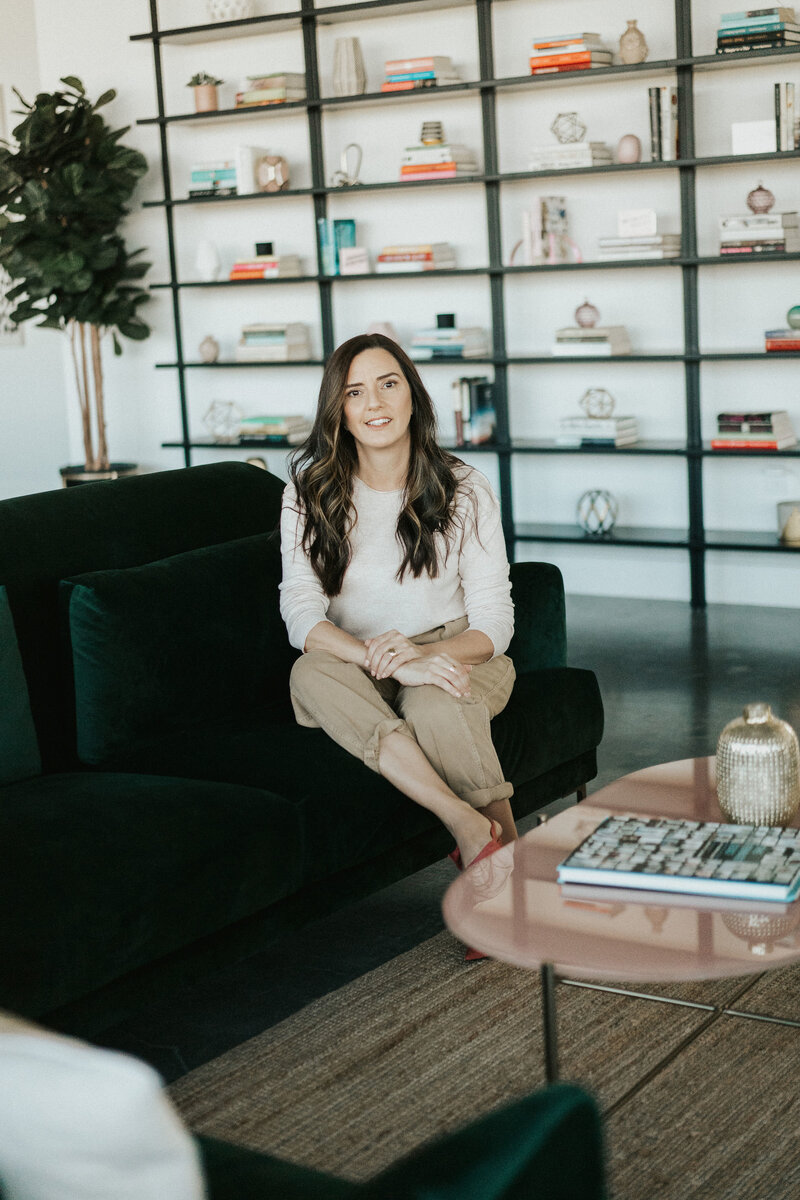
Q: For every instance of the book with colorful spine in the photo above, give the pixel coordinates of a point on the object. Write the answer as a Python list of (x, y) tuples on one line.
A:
[(409, 74), (266, 266), (445, 160), (759, 233), (291, 428), (757, 29), (769, 430), (274, 342), (415, 257), (569, 52)]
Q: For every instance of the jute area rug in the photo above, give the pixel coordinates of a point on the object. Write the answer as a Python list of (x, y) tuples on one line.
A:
[(426, 1043)]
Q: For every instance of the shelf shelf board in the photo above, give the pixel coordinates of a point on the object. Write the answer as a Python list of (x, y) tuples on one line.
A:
[(597, 169), (208, 443), (712, 62), (726, 260), (271, 196), (440, 92), (594, 265), (515, 83), (414, 275), (230, 364), (725, 160), (222, 30), (388, 184), (228, 114), (520, 359), (738, 355), (789, 452), (548, 446), (749, 539), (621, 535), (217, 283)]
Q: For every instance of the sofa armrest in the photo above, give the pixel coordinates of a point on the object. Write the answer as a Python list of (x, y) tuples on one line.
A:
[(540, 623)]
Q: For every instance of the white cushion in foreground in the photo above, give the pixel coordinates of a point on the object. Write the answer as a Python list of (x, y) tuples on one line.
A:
[(78, 1123)]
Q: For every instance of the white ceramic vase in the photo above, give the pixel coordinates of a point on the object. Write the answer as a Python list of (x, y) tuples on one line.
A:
[(349, 75), (207, 261)]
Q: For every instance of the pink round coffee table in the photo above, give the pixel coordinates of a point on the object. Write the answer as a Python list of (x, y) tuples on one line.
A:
[(511, 907)]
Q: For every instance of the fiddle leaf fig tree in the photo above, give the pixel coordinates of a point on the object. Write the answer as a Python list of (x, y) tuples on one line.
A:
[(64, 183)]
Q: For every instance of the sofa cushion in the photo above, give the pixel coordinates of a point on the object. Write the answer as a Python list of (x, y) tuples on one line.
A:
[(161, 647), (350, 814), (19, 751), (77, 1123), (101, 873)]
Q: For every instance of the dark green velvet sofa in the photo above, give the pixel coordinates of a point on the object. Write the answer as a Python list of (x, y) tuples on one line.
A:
[(160, 811)]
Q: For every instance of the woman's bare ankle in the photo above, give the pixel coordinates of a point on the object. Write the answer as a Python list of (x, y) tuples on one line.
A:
[(473, 832)]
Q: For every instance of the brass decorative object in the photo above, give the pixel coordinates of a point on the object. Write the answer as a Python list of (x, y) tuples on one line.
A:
[(597, 512), (597, 403), (758, 769)]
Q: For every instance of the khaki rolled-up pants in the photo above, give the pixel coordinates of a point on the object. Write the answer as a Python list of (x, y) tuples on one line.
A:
[(454, 734)]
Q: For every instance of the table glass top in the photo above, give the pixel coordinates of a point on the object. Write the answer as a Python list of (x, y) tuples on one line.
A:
[(511, 907)]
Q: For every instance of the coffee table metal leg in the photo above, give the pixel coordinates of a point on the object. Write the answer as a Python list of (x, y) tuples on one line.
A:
[(549, 1020)]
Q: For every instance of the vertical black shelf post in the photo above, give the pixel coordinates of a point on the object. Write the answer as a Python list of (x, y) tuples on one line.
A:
[(169, 216), (691, 321), (496, 285), (317, 167)]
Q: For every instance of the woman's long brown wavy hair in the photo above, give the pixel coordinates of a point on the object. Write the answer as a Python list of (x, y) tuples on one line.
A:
[(322, 471)]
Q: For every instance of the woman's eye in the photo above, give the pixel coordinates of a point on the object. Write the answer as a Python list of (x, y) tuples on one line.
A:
[(389, 383)]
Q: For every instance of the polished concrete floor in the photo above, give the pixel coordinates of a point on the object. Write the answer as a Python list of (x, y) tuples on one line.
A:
[(670, 678)]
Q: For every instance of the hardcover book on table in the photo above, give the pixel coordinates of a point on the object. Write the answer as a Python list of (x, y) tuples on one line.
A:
[(758, 862)]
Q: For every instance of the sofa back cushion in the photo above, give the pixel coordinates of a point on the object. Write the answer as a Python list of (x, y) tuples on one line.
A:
[(19, 751), (193, 638), (54, 535)]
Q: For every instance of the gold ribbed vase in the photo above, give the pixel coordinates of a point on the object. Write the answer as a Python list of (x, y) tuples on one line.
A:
[(758, 769)]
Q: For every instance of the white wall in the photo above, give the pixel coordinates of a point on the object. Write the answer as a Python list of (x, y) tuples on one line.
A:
[(34, 441), (736, 303)]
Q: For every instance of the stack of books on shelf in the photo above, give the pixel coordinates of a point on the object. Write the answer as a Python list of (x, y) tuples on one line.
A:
[(419, 256), (757, 29), (335, 235), (280, 87), (663, 108), (759, 233), (474, 410), (408, 74), (445, 160), (598, 340), (274, 342), (217, 177), (569, 52), (782, 340), (449, 342), (654, 245), (785, 118), (282, 428), (597, 431), (754, 431), (266, 266), (569, 154)]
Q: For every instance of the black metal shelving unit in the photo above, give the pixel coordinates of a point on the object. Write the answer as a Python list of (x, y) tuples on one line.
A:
[(696, 540)]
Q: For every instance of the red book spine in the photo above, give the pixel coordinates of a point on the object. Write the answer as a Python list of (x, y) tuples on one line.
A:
[(740, 444), (581, 66), (415, 168), (453, 174), (408, 256), (409, 85), (549, 60), (782, 344)]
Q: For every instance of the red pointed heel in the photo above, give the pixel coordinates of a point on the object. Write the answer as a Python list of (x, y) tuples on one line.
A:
[(456, 857), (491, 846)]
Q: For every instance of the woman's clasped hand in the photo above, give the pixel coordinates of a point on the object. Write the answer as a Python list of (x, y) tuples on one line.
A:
[(393, 655)]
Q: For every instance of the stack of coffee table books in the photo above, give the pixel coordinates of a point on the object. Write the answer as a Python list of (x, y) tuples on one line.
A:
[(706, 858)]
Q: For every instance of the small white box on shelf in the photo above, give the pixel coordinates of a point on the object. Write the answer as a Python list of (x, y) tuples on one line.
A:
[(353, 260), (753, 137), (637, 222)]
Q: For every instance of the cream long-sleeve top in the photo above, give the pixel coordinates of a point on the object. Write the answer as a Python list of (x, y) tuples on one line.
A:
[(473, 578)]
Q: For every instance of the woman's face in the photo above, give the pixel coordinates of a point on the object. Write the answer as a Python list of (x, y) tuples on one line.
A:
[(377, 401)]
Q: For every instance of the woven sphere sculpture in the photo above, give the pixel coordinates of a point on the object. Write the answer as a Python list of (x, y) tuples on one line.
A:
[(597, 512), (568, 127), (597, 402)]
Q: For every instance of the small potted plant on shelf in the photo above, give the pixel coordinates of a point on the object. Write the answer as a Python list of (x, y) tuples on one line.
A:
[(205, 91), (64, 182)]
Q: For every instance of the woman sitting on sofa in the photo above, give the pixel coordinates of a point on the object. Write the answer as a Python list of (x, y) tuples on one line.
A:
[(396, 587)]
